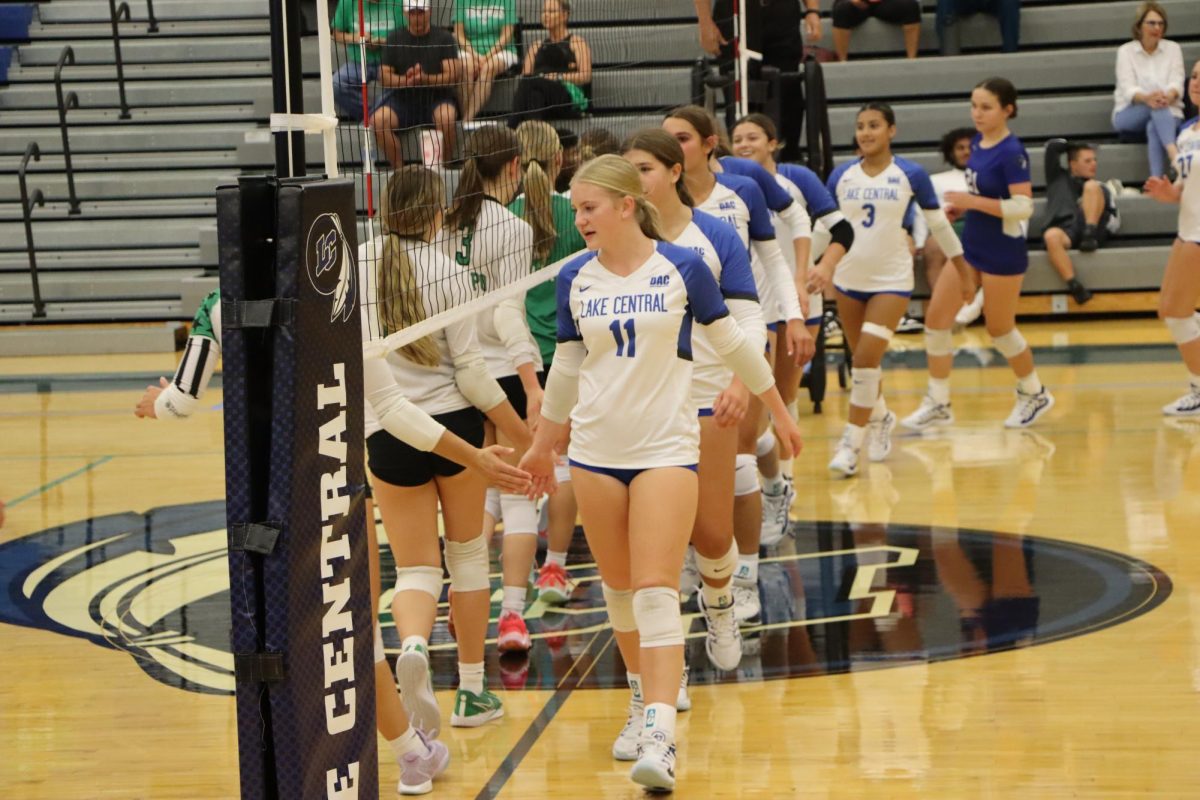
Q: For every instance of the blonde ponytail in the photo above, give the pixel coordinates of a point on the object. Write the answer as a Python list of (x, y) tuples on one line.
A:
[(411, 203), (539, 149), (647, 217)]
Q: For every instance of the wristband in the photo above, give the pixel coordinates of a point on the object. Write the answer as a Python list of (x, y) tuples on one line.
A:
[(811, 11)]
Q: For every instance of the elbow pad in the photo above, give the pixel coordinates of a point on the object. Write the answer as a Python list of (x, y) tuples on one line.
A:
[(842, 232), (1017, 208), (943, 232)]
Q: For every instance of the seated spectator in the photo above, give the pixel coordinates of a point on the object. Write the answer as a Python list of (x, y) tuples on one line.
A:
[(949, 12), (556, 73), (381, 17), (1080, 211), (849, 14), (484, 30), (419, 70), (568, 140), (1148, 98)]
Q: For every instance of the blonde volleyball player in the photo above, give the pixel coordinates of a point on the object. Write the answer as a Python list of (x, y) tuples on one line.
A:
[(997, 207), (623, 374), (1181, 282), (496, 246), (554, 238), (737, 200), (875, 280), (445, 375), (720, 398)]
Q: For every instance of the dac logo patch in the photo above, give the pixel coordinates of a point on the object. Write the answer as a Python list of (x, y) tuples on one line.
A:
[(330, 265)]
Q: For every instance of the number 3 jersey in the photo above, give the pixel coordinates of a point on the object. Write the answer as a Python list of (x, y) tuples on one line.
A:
[(1188, 165), (880, 260), (635, 409)]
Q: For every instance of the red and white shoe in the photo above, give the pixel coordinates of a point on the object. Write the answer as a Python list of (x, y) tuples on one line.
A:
[(513, 635), (553, 585)]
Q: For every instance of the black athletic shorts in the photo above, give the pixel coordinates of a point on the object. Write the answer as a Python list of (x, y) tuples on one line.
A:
[(392, 461), (897, 12), (515, 391), (1108, 223)]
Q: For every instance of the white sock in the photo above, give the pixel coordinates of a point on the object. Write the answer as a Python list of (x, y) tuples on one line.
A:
[(785, 468), (514, 599), (635, 686), (774, 486), (747, 569), (407, 742), (660, 717), (470, 677), (555, 557), (414, 641), (880, 410), (1030, 384), (939, 390), (717, 596), (857, 433), (1195, 381)]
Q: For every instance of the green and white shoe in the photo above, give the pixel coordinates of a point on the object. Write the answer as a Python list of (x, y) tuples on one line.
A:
[(472, 710)]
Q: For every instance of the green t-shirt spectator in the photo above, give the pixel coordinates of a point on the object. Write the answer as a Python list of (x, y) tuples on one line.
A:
[(380, 17), (484, 22), (541, 305)]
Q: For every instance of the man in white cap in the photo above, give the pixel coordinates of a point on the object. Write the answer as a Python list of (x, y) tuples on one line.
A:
[(420, 69)]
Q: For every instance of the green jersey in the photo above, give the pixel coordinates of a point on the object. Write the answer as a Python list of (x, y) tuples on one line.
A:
[(541, 304), (380, 18), (202, 323), (484, 22)]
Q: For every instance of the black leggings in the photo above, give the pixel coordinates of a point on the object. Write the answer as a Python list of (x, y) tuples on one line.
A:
[(542, 98), (897, 12)]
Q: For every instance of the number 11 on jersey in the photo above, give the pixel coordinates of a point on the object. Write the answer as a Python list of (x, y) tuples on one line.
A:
[(630, 335)]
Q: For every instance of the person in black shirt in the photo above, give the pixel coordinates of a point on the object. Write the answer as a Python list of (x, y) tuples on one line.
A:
[(557, 72), (420, 69), (1080, 211)]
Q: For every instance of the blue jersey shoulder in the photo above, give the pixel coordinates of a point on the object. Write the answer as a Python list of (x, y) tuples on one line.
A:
[(918, 180), (816, 196), (703, 294), (760, 218), (567, 329), (776, 198), (737, 280), (836, 176)]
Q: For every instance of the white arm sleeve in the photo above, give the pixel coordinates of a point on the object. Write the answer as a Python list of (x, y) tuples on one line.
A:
[(779, 277), (513, 329), (562, 384), (942, 231), (396, 413), (797, 221), (748, 315), (920, 230), (192, 376), (739, 353), (470, 370)]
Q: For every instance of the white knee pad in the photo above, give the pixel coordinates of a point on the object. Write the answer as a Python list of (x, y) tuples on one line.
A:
[(562, 472), (877, 330), (467, 563), (379, 654), (766, 443), (1011, 344), (520, 514), (718, 568), (1183, 329), (491, 503), (620, 608), (420, 579), (659, 622), (865, 388), (745, 475), (939, 343)]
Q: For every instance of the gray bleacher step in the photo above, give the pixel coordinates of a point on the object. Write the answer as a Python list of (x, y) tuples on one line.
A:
[(66, 287), (119, 258), (139, 28), (36, 340), (1125, 162), (153, 51), (134, 137), (95, 212), (883, 79), (1040, 117), (141, 162), (1107, 269), (142, 94), (70, 234), (108, 118), (164, 10), (122, 185), (180, 70)]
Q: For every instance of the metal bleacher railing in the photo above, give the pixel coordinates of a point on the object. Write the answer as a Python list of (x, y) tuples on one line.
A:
[(28, 201)]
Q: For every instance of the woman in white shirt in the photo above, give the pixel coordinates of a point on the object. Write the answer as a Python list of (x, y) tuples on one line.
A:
[(1149, 94)]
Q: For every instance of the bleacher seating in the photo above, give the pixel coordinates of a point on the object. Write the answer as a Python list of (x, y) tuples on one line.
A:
[(200, 93)]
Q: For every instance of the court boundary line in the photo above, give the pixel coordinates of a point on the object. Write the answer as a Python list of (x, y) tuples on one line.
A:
[(59, 481)]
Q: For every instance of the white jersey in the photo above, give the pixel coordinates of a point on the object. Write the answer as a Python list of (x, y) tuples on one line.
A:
[(723, 253), (1187, 164), (880, 260), (495, 251), (432, 389), (635, 409)]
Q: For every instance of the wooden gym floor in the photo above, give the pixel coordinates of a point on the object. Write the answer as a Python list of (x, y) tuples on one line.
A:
[(987, 614)]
